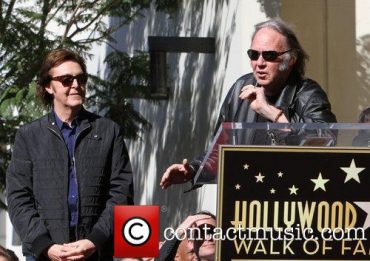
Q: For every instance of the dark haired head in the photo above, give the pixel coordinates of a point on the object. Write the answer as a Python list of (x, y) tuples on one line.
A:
[(53, 59), (300, 55), (364, 116), (204, 212), (8, 254)]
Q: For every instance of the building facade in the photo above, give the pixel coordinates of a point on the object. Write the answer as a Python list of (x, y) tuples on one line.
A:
[(335, 34)]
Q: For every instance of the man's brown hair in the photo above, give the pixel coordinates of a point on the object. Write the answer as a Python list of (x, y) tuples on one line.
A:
[(53, 59)]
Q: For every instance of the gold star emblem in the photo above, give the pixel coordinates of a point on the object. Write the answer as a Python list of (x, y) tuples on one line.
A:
[(319, 182), (259, 177), (352, 172), (280, 174), (237, 186), (293, 190)]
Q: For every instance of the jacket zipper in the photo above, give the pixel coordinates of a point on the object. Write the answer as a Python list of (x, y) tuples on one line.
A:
[(78, 189), (78, 195), (61, 138), (74, 166)]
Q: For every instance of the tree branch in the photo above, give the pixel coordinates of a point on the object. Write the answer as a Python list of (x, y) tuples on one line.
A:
[(108, 32), (5, 21), (45, 12), (10, 10), (91, 40), (1, 13), (71, 20), (97, 16), (51, 17)]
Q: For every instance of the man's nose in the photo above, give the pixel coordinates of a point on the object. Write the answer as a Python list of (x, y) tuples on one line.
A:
[(75, 83), (261, 61)]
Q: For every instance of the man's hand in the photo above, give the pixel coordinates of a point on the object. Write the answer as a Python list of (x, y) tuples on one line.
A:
[(191, 221), (79, 250), (258, 103), (256, 97), (176, 174), (56, 252)]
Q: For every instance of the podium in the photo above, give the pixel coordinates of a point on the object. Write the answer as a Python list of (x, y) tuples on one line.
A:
[(290, 191)]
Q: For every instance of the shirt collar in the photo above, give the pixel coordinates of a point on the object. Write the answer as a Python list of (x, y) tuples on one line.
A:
[(61, 125)]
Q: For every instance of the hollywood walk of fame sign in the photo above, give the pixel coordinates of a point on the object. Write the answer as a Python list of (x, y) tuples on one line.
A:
[(293, 203)]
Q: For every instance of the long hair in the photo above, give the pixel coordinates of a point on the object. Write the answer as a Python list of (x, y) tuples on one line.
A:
[(364, 116), (297, 50), (53, 59)]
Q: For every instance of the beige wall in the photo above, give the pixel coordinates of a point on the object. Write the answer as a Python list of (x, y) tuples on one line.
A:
[(327, 30), (363, 52), (311, 33)]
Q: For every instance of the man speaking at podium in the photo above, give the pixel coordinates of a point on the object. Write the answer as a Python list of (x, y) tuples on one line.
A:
[(276, 91)]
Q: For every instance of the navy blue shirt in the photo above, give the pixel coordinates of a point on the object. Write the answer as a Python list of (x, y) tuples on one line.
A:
[(69, 136)]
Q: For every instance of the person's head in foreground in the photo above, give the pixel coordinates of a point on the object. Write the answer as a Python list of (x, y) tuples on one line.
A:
[(7, 254), (203, 243), (185, 252)]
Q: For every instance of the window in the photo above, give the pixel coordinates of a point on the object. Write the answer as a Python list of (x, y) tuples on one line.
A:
[(159, 47)]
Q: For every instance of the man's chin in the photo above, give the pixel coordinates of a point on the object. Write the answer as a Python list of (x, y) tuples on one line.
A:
[(262, 82), (75, 104)]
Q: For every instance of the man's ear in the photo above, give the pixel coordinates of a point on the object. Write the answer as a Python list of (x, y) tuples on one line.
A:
[(48, 88), (292, 60)]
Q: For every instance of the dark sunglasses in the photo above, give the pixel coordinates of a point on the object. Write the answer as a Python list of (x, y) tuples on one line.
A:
[(269, 56), (67, 80)]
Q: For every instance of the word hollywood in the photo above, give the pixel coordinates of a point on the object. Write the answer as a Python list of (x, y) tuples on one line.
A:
[(295, 227)]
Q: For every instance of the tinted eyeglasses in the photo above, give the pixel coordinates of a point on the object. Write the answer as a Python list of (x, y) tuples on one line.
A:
[(67, 79), (268, 56)]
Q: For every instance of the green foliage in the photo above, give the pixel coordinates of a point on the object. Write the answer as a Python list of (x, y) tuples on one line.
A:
[(127, 78), (7, 134), (30, 29)]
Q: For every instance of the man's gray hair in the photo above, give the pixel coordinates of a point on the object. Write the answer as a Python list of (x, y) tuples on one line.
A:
[(292, 41)]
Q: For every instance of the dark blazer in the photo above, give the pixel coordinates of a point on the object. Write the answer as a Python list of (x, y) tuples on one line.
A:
[(37, 183)]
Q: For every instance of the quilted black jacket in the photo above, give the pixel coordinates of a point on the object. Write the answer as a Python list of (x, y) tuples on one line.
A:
[(37, 183)]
